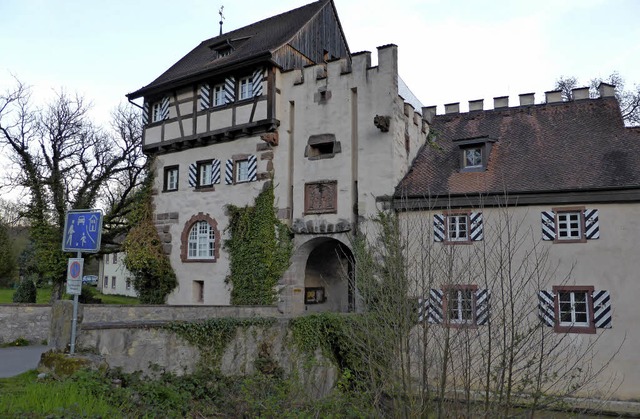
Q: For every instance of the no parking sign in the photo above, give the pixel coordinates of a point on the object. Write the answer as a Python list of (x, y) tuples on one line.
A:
[(74, 276)]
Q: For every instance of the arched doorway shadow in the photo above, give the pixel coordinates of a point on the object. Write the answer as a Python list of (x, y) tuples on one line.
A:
[(328, 274)]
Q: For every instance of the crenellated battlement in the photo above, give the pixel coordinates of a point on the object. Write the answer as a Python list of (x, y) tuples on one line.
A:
[(525, 99)]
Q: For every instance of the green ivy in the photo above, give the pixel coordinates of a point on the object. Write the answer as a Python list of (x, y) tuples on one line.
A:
[(212, 336), (154, 277), (259, 248)]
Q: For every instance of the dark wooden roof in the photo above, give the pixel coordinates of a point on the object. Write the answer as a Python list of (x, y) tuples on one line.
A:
[(289, 40), (560, 147)]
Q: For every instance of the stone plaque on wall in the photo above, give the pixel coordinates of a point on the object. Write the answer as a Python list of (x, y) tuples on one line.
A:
[(321, 197)]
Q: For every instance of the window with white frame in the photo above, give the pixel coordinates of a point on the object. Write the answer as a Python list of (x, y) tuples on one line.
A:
[(472, 157), (205, 173), (244, 88), (201, 241), (458, 227), (460, 305), (171, 178), (569, 225), (156, 112), (218, 95), (573, 308), (113, 282), (242, 171)]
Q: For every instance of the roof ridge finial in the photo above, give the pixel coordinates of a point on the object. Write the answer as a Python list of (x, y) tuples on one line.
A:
[(221, 18)]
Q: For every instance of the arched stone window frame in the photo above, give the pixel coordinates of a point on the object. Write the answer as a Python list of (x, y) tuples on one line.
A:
[(184, 239)]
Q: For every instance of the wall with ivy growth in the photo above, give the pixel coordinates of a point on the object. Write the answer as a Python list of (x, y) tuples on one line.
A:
[(259, 249), (154, 278)]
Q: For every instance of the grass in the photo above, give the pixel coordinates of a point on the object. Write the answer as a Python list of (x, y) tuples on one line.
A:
[(44, 296), (24, 395)]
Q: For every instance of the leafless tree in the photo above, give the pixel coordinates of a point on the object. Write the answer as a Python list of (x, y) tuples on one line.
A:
[(64, 161)]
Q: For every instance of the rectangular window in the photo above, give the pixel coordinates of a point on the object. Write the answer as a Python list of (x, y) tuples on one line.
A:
[(113, 282), (171, 178), (569, 225), (106, 259), (115, 258), (198, 291), (205, 173), (218, 95), (244, 88), (574, 309), (458, 228), (460, 304), (242, 171), (156, 112), (106, 281), (128, 283)]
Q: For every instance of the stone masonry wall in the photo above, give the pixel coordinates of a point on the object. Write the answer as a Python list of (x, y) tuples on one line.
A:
[(28, 321)]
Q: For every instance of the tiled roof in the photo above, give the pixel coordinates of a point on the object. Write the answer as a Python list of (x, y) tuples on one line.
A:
[(255, 41), (569, 146)]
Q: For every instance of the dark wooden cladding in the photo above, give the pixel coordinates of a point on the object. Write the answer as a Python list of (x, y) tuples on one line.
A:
[(320, 34)]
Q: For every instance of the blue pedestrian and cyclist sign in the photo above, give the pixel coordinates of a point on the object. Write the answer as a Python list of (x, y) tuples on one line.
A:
[(82, 231)]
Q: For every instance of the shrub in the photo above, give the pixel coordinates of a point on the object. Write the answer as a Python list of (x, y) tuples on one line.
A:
[(26, 292)]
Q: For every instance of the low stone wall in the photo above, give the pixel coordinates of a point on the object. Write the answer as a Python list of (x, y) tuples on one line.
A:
[(121, 313), (27, 321)]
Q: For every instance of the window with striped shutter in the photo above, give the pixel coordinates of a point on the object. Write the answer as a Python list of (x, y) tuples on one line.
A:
[(570, 225), (562, 307)]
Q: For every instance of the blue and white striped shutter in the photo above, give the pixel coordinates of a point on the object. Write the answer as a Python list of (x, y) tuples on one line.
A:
[(164, 110), (434, 311), (215, 171), (229, 89), (602, 309), (204, 101), (252, 169), (476, 226), (145, 113), (256, 82), (438, 227), (548, 225), (482, 306), (423, 308), (592, 225), (193, 175), (228, 172), (546, 307)]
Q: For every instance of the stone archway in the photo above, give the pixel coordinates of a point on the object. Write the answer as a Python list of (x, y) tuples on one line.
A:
[(320, 266), (327, 276)]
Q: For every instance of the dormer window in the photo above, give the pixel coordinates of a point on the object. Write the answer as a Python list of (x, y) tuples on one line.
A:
[(222, 49), (474, 153)]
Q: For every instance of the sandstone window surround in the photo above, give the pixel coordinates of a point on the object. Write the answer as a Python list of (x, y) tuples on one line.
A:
[(575, 309), (200, 240), (575, 224), (322, 146)]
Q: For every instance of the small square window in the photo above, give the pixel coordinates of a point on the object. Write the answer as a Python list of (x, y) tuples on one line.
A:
[(171, 178), (472, 157), (205, 173), (242, 171), (569, 225), (314, 295), (218, 95), (244, 88), (574, 309)]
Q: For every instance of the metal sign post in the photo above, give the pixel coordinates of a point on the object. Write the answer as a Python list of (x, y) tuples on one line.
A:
[(82, 233)]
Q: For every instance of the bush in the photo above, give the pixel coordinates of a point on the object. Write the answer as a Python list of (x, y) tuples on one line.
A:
[(87, 295), (26, 292)]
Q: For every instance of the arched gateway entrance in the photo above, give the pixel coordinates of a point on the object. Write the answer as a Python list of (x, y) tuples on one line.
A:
[(321, 277)]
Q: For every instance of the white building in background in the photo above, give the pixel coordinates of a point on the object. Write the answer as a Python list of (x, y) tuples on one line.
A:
[(113, 276)]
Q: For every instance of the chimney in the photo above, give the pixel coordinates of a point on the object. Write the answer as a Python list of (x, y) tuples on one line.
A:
[(606, 90), (452, 108), (526, 99), (580, 93), (428, 112), (500, 102), (553, 96), (476, 105)]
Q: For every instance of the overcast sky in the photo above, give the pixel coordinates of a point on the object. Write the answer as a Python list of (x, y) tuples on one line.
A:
[(449, 50)]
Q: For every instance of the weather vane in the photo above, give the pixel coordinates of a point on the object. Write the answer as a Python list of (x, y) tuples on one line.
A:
[(221, 18)]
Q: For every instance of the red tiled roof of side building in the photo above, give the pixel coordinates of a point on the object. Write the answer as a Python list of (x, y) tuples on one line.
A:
[(569, 146)]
